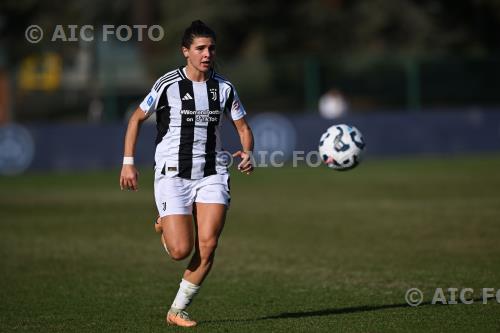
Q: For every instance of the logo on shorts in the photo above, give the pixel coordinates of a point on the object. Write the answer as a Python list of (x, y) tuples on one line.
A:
[(164, 206)]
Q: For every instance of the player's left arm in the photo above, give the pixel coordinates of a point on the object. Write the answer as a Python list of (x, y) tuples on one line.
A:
[(246, 138)]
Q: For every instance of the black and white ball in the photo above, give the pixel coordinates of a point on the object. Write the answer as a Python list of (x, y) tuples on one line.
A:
[(341, 147)]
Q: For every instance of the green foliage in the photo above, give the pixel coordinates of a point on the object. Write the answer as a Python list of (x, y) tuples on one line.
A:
[(317, 26)]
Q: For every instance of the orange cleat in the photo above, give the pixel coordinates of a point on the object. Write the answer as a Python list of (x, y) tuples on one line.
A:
[(179, 318)]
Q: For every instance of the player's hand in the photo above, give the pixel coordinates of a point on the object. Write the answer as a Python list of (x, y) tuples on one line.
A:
[(129, 178), (245, 165)]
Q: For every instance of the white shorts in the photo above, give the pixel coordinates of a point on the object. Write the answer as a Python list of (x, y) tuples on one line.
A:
[(175, 195)]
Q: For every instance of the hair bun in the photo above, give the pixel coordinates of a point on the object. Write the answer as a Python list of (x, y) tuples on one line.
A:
[(197, 29)]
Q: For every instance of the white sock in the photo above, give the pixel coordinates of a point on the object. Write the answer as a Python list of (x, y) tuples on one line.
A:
[(185, 295)]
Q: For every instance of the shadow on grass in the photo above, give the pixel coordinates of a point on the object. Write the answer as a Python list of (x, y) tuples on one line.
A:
[(329, 312)]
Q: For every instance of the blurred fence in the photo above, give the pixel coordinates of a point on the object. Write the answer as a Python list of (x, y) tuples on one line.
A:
[(119, 79), (91, 146), (371, 83)]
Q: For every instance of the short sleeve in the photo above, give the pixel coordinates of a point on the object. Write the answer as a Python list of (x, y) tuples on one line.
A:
[(235, 107), (150, 102)]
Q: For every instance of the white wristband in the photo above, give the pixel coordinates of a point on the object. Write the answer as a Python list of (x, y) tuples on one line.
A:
[(128, 160)]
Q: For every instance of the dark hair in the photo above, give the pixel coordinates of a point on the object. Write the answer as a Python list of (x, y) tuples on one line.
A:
[(196, 29)]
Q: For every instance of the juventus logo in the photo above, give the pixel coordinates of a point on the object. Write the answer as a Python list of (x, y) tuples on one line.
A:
[(213, 91)]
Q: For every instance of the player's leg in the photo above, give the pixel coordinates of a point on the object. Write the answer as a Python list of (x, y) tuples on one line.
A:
[(210, 218), (209, 222), (211, 202), (174, 200), (177, 235)]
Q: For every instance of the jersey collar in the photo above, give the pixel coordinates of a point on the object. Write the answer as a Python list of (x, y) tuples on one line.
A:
[(182, 73)]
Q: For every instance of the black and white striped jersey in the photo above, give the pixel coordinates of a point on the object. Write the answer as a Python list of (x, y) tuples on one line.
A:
[(189, 118)]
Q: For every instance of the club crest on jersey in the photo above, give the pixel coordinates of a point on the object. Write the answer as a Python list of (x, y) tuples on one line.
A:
[(213, 91)]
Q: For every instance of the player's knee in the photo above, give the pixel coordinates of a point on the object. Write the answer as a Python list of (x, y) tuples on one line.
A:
[(179, 252)]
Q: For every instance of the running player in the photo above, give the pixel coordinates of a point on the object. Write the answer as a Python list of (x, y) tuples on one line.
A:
[(191, 175)]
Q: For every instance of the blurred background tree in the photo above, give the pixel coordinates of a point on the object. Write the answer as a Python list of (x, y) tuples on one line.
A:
[(383, 54)]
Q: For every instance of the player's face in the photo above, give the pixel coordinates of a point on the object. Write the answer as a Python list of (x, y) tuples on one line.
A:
[(200, 54)]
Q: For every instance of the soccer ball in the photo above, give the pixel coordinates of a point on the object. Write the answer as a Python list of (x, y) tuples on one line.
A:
[(341, 147)]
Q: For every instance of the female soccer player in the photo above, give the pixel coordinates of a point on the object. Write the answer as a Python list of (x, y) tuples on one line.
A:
[(191, 173)]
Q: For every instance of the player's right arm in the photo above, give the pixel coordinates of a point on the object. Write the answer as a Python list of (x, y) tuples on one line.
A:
[(129, 174)]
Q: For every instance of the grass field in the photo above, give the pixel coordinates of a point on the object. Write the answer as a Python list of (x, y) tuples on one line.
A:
[(304, 249)]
